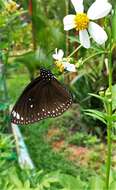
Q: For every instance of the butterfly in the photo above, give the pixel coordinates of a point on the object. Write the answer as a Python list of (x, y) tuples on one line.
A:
[(42, 98)]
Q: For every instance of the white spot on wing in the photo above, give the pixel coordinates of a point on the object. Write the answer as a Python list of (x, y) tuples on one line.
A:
[(17, 116), (14, 113)]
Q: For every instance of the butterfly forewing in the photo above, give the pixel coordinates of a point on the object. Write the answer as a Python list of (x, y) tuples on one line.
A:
[(21, 110), (44, 97)]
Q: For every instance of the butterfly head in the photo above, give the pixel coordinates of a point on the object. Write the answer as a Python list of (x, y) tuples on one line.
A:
[(46, 74)]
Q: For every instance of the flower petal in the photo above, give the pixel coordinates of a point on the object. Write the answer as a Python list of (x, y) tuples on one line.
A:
[(99, 9), (58, 55), (55, 56), (69, 67), (84, 38), (69, 22), (78, 5), (97, 33)]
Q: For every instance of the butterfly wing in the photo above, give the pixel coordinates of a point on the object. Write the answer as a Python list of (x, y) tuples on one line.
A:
[(61, 99), (41, 99), (23, 107)]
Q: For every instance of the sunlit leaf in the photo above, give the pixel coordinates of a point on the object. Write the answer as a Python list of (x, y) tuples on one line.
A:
[(97, 183), (113, 185)]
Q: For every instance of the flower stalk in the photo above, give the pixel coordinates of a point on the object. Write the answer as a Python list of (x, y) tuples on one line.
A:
[(75, 51), (109, 123)]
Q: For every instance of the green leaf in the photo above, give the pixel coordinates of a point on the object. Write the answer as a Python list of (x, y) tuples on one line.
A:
[(113, 117), (96, 114), (114, 24), (113, 185), (50, 178), (15, 179), (71, 183), (114, 97), (27, 184), (97, 183), (97, 96)]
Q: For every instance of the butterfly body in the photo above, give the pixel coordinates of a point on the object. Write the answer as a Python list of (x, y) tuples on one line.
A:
[(44, 97)]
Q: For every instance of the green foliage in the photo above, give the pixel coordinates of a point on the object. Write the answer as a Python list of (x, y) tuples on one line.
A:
[(6, 144), (22, 79), (100, 115), (4, 102), (114, 97), (44, 157), (79, 92), (83, 139), (6, 157), (4, 106), (13, 29), (96, 114), (98, 182), (72, 183), (12, 177), (114, 24), (30, 180)]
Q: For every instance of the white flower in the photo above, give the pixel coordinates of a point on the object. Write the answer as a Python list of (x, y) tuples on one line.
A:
[(69, 67), (61, 62), (82, 21), (58, 55)]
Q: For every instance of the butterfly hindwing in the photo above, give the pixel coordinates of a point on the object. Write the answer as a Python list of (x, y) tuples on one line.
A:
[(61, 98), (43, 97)]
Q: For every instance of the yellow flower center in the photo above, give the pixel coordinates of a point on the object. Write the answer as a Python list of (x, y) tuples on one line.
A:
[(59, 65), (81, 21), (11, 7)]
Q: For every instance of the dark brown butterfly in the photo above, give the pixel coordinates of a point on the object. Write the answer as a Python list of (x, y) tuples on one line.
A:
[(43, 97)]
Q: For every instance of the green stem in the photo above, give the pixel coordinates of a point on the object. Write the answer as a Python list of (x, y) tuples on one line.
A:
[(67, 33), (109, 123), (75, 51), (98, 53)]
